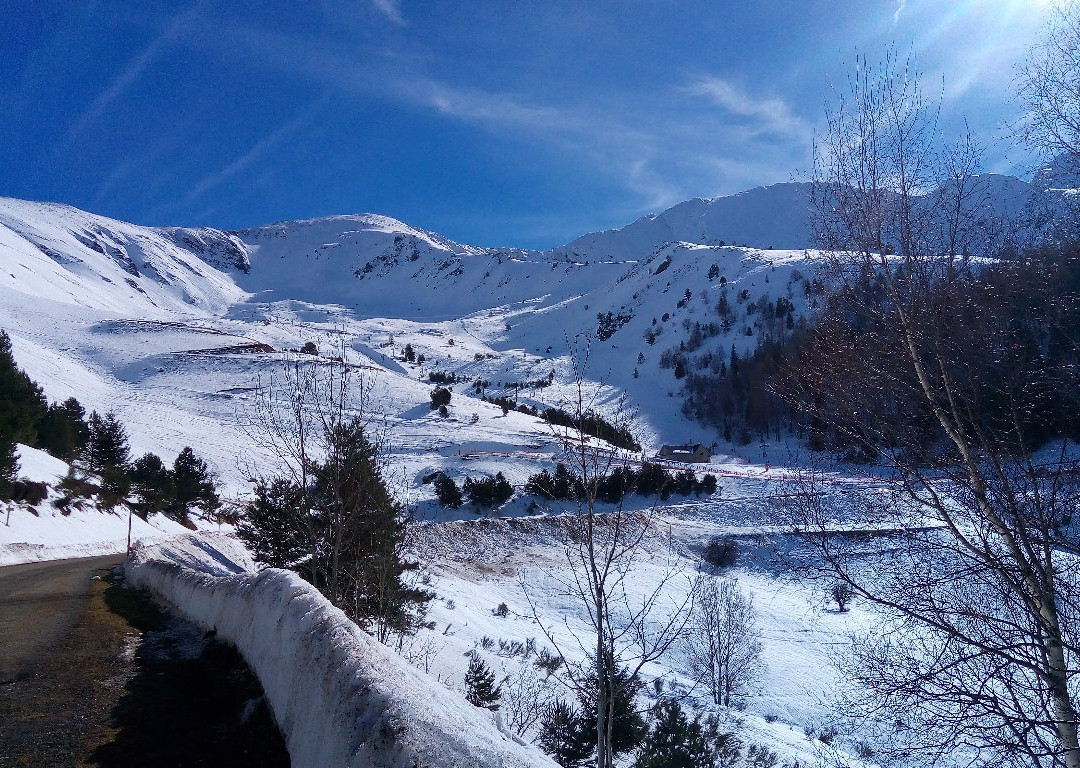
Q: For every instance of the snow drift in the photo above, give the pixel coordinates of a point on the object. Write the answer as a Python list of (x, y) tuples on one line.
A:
[(340, 697)]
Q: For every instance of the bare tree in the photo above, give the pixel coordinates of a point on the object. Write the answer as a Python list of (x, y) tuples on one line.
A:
[(1049, 85), (722, 641), (913, 366), (601, 548), (525, 697)]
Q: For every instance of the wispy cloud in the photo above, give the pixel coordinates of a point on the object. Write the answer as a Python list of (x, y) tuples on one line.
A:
[(255, 153), (600, 138), (134, 70), (656, 144), (768, 115), (674, 153), (134, 163), (391, 9), (244, 162), (478, 105), (900, 5)]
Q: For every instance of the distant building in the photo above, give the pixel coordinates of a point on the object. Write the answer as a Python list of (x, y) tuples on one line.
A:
[(694, 454)]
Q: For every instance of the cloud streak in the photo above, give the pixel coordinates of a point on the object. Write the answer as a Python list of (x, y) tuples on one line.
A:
[(767, 115), (670, 156), (900, 6), (657, 145), (131, 73), (244, 162), (391, 9)]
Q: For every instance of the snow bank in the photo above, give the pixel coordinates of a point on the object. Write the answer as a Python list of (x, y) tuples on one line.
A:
[(340, 697), (30, 534)]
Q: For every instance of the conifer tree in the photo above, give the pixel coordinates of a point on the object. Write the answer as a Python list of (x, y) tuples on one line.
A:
[(488, 492), (107, 443), (21, 402), (9, 468), (480, 688), (566, 735), (440, 396), (193, 485), (333, 520), (107, 453), (675, 741), (270, 527), (627, 726), (62, 429), (541, 484), (360, 530), (447, 491), (152, 483)]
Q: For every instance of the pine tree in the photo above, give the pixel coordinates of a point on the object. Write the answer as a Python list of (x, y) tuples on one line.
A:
[(361, 531), (107, 453), (193, 486), (488, 492), (270, 527), (21, 402), (440, 396), (107, 443), (540, 484), (564, 485), (566, 736), (675, 741), (480, 688), (627, 725), (9, 468), (447, 491), (62, 429), (152, 482)]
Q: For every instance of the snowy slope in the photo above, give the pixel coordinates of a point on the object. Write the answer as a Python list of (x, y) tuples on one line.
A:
[(174, 328), (776, 216), (142, 321), (43, 532), (62, 254), (523, 563)]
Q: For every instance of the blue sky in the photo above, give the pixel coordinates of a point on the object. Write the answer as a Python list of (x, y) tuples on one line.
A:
[(495, 123)]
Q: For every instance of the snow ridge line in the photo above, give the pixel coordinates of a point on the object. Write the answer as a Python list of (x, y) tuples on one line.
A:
[(340, 697)]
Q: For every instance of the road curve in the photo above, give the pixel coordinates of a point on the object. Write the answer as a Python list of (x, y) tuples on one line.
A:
[(39, 604)]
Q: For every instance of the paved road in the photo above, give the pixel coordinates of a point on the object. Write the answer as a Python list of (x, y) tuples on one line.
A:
[(92, 676), (39, 604)]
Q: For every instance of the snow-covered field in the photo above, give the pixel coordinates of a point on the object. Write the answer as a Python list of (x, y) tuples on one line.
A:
[(522, 562), (176, 329)]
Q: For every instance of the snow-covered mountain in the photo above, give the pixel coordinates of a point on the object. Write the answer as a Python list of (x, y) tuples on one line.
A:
[(170, 326), (173, 328), (59, 253)]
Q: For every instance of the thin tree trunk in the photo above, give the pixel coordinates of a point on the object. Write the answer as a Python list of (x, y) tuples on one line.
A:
[(1065, 718), (603, 726)]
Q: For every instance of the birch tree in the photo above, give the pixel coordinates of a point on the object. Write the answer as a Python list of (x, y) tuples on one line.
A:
[(722, 642), (978, 591)]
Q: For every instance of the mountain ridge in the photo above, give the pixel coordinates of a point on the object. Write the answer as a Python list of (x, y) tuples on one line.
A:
[(93, 299)]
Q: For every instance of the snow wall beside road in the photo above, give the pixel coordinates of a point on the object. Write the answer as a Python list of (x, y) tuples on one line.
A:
[(338, 695)]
